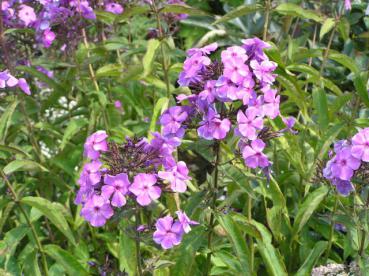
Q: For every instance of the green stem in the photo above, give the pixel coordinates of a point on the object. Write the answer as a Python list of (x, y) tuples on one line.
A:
[(93, 78), (214, 189), (138, 243), (164, 61), (331, 233), (363, 232), (326, 52), (29, 223), (266, 22), (249, 237)]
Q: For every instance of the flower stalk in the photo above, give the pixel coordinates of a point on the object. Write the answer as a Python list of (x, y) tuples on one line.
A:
[(214, 190), (28, 221)]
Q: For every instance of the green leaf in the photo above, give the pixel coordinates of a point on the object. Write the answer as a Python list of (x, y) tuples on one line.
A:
[(148, 59), (360, 86), (176, 8), (54, 211), (160, 106), (132, 11), (239, 243), (327, 26), (344, 60), (307, 208), (295, 10), (74, 127), (127, 253), (30, 265), (303, 68), (238, 12), (109, 70), (321, 107), (13, 237), (23, 165), (272, 259), (5, 120), (312, 258), (66, 260), (13, 149)]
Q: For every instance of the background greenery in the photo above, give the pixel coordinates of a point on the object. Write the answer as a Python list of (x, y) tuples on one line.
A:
[(284, 226)]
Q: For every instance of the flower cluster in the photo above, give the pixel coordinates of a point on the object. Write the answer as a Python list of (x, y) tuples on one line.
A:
[(236, 91), (348, 160), (52, 18), (8, 80), (138, 170), (169, 232)]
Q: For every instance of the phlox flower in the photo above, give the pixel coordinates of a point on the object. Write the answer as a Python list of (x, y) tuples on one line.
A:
[(144, 188)]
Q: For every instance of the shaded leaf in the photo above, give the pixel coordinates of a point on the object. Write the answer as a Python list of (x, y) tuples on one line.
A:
[(66, 260), (23, 165), (238, 12), (55, 212)]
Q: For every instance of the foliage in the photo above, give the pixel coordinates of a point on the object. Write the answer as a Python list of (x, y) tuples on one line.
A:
[(285, 223)]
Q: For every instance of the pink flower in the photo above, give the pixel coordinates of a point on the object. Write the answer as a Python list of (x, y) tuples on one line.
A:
[(176, 176), (249, 123), (360, 145), (95, 144), (271, 105), (23, 85), (185, 221), (27, 14), (48, 37), (144, 188), (254, 156), (347, 5), (91, 174), (114, 8), (168, 233), (263, 70), (117, 187), (7, 80), (345, 164), (97, 210), (212, 127)]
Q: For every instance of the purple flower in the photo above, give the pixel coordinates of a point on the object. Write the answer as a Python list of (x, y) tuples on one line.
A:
[(234, 53), (254, 48), (249, 123), (212, 127), (360, 145), (117, 187), (114, 8), (7, 80), (144, 188), (345, 164), (344, 187), (118, 105), (176, 176), (23, 85), (168, 233), (208, 49), (347, 5), (95, 144), (91, 174), (185, 221), (236, 71), (48, 37), (271, 105), (263, 71), (254, 156), (27, 14), (172, 119), (166, 145), (97, 210)]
